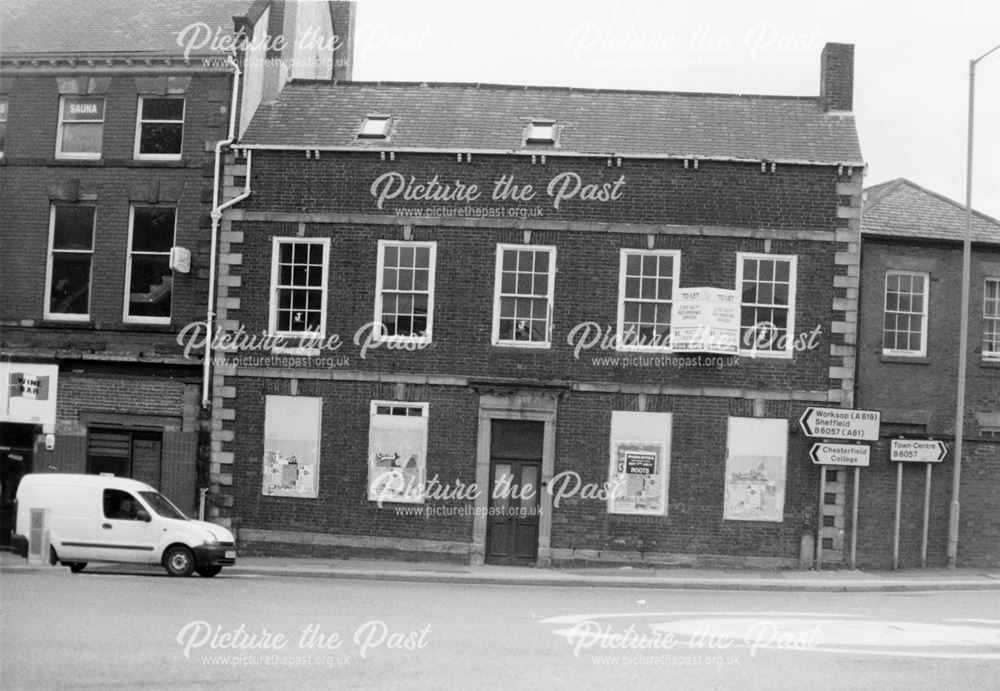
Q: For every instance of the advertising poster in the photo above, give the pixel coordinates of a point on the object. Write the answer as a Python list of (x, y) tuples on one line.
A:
[(291, 446), (755, 469), (397, 454), (640, 463)]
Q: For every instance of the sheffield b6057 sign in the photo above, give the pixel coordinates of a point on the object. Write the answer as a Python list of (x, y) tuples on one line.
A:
[(841, 423)]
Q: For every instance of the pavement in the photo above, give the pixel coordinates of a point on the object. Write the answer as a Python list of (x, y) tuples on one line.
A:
[(831, 580)]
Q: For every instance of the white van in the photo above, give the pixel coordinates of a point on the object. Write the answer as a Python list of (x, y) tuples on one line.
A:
[(114, 519)]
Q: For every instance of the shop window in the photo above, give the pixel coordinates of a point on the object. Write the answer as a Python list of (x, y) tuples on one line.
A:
[(523, 295), (905, 320), (71, 249), (647, 283), (766, 284), (298, 287), (125, 453), (375, 127), (991, 319), (404, 290), (160, 128), (148, 278), (81, 127), (397, 452), (4, 105)]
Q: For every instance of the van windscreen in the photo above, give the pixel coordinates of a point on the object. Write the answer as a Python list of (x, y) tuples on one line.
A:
[(162, 505)]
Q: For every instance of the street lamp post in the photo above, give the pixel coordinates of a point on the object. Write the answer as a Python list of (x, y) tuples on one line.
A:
[(963, 336)]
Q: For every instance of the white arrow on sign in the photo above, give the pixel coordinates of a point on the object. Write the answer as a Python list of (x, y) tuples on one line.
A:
[(918, 450), (840, 454), (841, 423)]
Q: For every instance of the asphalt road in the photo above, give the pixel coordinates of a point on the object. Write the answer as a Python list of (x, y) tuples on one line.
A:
[(118, 629)]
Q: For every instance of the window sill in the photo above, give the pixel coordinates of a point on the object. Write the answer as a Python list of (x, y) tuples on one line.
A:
[(152, 328), (100, 162), (904, 359), (299, 352), (990, 363), (522, 345), (56, 323)]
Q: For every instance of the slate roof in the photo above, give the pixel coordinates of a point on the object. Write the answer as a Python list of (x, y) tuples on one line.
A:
[(109, 27), (900, 208), (477, 117)]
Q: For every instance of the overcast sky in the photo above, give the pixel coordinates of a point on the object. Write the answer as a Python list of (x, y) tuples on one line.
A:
[(911, 62)]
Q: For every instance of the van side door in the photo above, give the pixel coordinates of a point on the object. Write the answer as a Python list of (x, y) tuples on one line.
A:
[(129, 532)]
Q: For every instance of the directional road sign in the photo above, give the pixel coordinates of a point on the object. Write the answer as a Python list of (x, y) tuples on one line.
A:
[(918, 450), (840, 454), (841, 423)]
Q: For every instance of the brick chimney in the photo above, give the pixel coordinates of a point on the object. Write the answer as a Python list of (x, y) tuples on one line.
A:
[(836, 77), (342, 16)]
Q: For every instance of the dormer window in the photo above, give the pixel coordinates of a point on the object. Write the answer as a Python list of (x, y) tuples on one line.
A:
[(541, 132), (375, 127)]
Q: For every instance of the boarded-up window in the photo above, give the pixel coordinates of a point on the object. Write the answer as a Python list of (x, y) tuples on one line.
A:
[(292, 446), (397, 452), (756, 454), (639, 473)]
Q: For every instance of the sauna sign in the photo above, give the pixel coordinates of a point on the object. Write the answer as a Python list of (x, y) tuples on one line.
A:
[(83, 108), (561, 188)]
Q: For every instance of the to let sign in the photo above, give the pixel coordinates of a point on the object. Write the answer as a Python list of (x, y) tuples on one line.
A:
[(841, 423), (840, 454), (918, 450)]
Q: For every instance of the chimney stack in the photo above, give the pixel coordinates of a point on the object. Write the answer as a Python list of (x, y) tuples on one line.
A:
[(342, 16), (836, 78)]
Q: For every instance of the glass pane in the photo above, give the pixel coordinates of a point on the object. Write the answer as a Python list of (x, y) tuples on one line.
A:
[(82, 138), (509, 260), (150, 286), (542, 262), (161, 138), (503, 480), (74, 228), (782, 271), (152, 229), (424, 257), (70, 291), (529, 486), (389, 279), (632, 263), (162, 108)]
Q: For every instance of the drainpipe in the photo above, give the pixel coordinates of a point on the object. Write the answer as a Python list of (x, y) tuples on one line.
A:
[(216, 217)]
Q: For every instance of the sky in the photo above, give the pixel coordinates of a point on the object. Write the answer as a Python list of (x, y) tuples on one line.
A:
[(911, 84)]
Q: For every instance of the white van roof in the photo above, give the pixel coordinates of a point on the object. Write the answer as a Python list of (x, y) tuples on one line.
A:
[(81, 480)]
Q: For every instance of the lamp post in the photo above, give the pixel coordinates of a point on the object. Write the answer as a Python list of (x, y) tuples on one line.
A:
[(963, 336)]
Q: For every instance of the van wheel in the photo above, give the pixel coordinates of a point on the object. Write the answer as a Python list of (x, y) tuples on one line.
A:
[(179, 561), (77, 566), (208, 571)]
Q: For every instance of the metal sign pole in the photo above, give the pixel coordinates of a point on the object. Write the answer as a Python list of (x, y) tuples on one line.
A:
[(819, 518), (927, 515), (895, 532), (854, 518)]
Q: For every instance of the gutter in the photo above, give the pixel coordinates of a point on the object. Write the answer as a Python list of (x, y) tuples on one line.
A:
[(217, 210)]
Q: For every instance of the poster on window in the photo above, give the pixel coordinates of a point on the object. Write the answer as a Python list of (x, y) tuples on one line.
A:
[(291, 446), (757, 450), (640, 463), (397, 453), (705, 320)]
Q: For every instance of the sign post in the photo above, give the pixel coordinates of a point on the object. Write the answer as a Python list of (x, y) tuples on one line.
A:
[(928, 452), (847, 425)]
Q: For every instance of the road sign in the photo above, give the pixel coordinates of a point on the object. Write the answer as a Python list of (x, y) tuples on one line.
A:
[(840, 454), (841, 423), (918, 450)]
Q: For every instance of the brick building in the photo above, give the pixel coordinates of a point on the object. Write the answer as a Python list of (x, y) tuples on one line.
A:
[(537, 325), (106, 178), (908, 338), (114, 124)]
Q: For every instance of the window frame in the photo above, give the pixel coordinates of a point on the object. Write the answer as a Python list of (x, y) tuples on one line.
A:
[(50, 251), (622, 280), (85, 156), (428, 336), (127, 300), (272, 313), (139, 121), (793, 260), (374, 414), (550, 296), (991, 355), (380, 136), (893, 352), (538, 123), (4, 118)]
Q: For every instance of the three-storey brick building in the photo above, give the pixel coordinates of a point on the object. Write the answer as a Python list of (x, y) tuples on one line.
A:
[(536, 325)]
